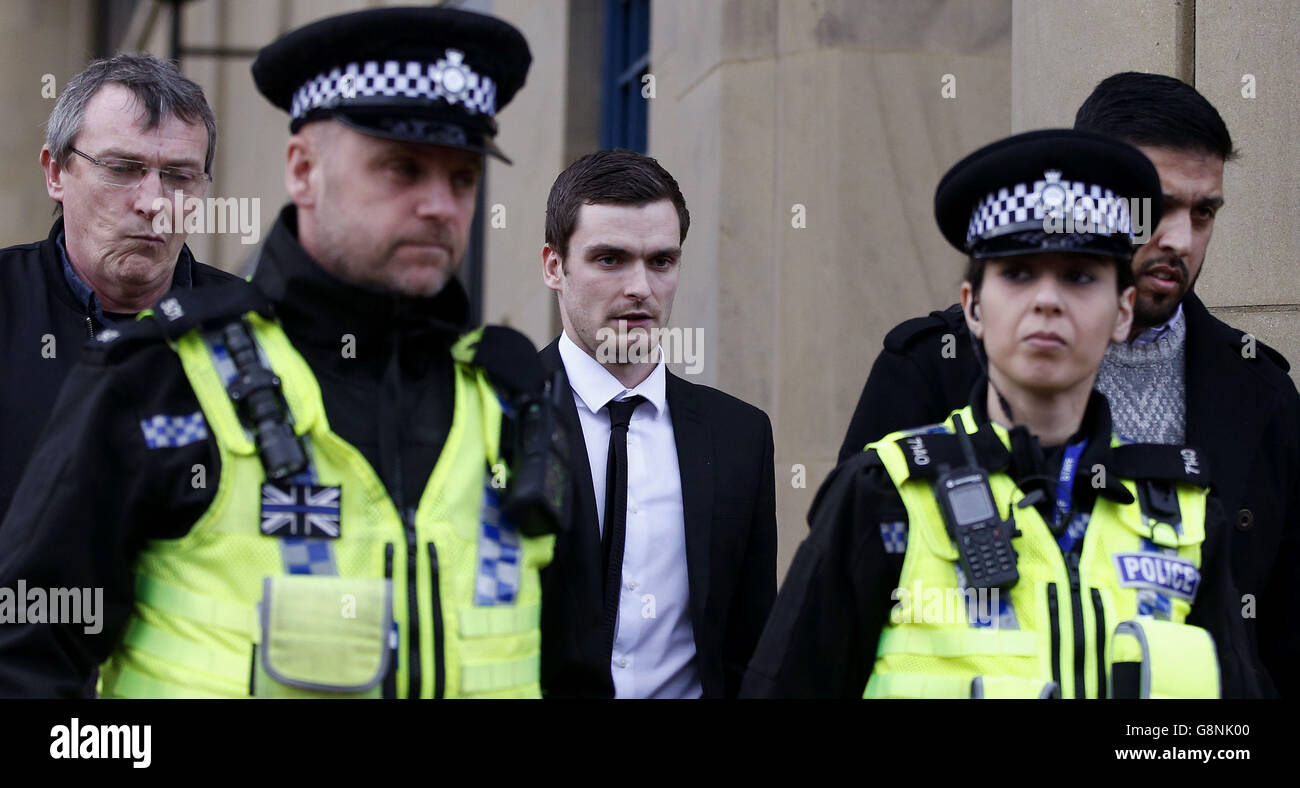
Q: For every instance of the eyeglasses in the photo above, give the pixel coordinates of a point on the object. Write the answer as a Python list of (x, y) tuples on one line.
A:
[(125, 173)]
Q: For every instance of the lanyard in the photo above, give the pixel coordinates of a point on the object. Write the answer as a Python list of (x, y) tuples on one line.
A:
[(1065, 482), (1070, 536)]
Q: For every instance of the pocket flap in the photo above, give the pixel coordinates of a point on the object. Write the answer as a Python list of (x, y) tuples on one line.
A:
[(1190, 529), (328, 634)]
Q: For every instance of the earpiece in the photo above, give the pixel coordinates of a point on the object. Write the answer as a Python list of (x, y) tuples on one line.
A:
[(975, 311)]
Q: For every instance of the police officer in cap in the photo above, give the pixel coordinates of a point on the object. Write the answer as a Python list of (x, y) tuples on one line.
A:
[(313, 485), (1081, 567), (1183, 376)]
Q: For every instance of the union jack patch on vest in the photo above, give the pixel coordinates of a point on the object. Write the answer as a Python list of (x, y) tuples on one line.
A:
[(301, 510)]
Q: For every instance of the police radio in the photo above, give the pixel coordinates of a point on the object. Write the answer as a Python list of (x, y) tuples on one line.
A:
[(983, 538)]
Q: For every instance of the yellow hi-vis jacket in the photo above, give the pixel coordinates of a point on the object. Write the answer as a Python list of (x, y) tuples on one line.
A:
[(451, 600), (1057, 631)]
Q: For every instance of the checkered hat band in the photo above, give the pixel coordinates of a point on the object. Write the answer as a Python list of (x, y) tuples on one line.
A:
[(448, 80), (1090, 208)]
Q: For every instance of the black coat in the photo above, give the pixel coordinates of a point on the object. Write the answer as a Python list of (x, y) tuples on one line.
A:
[(724, 447), (1243, 413), (94, 491), (42, 332)]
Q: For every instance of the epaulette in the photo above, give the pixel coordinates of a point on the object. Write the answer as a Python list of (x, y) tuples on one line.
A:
[(1236, 339), (180, 311), (509, 359), (909, 332), (1262, 350), (175, 313), (1275, 355), (1162, 462), (122, 339), (851, 466), (929, 454)]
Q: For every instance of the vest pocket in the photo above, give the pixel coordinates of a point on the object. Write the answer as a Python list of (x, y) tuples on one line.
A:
[(923, 685), (1160, 659), (500, 650), (1013, 687), (323, 636)]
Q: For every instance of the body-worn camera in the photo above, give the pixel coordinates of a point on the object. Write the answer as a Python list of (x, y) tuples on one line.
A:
[(537, 497)]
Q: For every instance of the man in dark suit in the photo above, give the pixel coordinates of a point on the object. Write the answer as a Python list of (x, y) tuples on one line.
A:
[(664, 582), (1183, 377)]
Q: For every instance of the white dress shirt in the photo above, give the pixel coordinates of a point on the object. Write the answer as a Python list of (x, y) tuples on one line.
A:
[(654, 644)]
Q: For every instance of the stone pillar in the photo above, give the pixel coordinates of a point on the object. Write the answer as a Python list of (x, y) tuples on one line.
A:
[(38, 38), (1061, 49), (1246, 65), (808, 139), (1239, 56), (534, 134)]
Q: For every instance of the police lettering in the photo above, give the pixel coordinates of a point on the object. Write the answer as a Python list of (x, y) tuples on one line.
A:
[(1158, 571)]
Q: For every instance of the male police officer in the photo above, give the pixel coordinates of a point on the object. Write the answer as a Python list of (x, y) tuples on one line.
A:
[(312, 504), (124, 137), (1183, 376)]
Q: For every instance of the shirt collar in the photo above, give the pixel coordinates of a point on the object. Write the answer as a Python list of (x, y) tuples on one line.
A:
[(596, 386), (83, 292), (1154, 333), (183, 276)]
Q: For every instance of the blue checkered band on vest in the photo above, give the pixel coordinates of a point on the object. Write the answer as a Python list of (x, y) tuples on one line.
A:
[(307, 556), (499, 554), (449, 79), (1026, 206), (170, 432), (894, 536)]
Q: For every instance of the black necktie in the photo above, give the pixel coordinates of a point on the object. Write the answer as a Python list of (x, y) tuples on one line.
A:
[(620, 413)]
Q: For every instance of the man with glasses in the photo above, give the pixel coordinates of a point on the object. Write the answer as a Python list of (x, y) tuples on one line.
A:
[(324, 482), (127, 139)]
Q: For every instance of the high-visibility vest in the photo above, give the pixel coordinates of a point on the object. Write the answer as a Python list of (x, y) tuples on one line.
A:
[(446, 606), (1054, 632)]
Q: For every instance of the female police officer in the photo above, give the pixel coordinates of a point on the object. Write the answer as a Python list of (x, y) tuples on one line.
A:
[(1020, 549)]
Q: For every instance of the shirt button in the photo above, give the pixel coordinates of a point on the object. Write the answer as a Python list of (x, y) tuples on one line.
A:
[(631, 585), (1244, 519), (622, 663)]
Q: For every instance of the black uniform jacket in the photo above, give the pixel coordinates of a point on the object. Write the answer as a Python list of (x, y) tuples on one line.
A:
[(724, 448), (821, 639), (94, 491), (1243, 413), (42, 331)]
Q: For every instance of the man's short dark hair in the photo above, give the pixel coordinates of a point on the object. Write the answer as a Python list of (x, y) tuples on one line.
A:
[(608, 177), (162, 90), (1156, 111)]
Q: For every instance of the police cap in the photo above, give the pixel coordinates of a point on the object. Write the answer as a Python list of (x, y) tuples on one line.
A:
[(430, 75), (1053, 190)]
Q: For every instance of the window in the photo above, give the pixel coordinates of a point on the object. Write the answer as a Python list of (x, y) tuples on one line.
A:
[(627, 60)]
